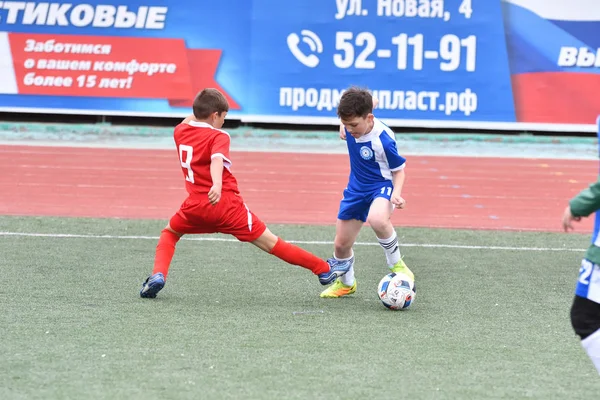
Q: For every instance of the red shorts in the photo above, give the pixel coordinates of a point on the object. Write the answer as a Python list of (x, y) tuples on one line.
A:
[(230, 215)]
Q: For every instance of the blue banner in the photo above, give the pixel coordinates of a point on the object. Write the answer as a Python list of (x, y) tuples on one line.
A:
[(427, 61)]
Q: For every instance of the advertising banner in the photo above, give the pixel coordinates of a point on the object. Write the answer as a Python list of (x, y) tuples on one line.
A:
[(497, 64)]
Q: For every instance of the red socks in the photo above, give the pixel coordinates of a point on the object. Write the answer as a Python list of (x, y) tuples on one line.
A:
[(297, 256), (164, 251)]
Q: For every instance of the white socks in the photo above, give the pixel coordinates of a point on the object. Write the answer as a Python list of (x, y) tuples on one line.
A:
[(392, 255), (391, 249), (348, 278), (591, 344)]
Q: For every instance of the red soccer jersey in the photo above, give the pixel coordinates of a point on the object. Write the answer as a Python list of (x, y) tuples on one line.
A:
[(197, 143)]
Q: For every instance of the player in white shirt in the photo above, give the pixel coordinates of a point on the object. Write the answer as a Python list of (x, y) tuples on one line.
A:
[(374, 187)]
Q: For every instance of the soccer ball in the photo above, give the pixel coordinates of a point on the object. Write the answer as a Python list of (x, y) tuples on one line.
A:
[(396, 291)]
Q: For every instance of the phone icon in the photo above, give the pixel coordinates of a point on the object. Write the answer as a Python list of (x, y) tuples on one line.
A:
[(312, 40)]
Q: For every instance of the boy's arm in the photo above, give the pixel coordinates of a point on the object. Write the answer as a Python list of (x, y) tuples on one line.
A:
[(219, 158), (398, 181), (216, 174), (582, 205), (187, 119), (587, 201)]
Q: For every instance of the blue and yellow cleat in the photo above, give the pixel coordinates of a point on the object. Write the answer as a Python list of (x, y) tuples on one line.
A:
[(336, 269), (401, 268), (152, 286)]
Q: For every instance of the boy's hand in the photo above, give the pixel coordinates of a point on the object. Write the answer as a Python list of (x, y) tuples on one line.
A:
[(214, 194), (398, 201), (342, 132), (568, 218)]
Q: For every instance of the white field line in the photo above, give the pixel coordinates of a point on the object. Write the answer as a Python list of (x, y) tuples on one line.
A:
[(328, 243)]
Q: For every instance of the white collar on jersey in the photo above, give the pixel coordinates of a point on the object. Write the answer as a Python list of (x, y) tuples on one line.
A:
[(198, 124), (369, 136)]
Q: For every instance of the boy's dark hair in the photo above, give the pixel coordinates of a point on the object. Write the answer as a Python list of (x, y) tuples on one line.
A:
[(355, 102), (209, 101)]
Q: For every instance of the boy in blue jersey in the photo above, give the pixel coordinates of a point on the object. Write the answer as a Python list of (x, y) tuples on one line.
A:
[(374, 187), (585, 311)]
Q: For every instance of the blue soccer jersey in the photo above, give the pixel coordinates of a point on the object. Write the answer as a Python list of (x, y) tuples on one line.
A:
[(373, 158)]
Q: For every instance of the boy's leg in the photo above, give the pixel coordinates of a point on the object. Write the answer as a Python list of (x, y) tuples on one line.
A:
[(346, 232), (585, 319), (289, 253), (591, 344), (191, 218), (380, 220), (352, 214), (247, 227), (327, 271), (165, 249)]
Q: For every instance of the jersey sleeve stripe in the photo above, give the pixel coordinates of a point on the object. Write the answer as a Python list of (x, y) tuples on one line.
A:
[(400, 168), (227, 162), (249, 218)]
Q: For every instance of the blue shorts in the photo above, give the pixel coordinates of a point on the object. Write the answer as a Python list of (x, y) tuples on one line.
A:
[(356, 205)]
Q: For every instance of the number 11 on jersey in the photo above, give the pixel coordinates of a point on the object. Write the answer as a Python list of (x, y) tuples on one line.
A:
[(388, 189), (186, 162)]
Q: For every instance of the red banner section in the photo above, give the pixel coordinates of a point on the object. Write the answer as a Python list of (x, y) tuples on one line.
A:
[(206, 61), (119, 67), (557, 97)]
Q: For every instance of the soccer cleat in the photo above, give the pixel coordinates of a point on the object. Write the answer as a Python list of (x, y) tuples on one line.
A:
[(338, 289), (337, 268), (152, 286), (401, 268)]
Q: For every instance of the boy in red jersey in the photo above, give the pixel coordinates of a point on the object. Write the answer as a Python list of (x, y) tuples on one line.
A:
[(214, 203)]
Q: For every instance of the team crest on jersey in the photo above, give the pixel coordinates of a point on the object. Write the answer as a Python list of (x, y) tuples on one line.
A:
[(366, 153)]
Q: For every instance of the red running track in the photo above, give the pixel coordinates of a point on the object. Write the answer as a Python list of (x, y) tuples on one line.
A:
[(450, 192)]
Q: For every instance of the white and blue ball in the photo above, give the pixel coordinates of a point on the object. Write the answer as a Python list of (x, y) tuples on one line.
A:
[(396, 291)]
